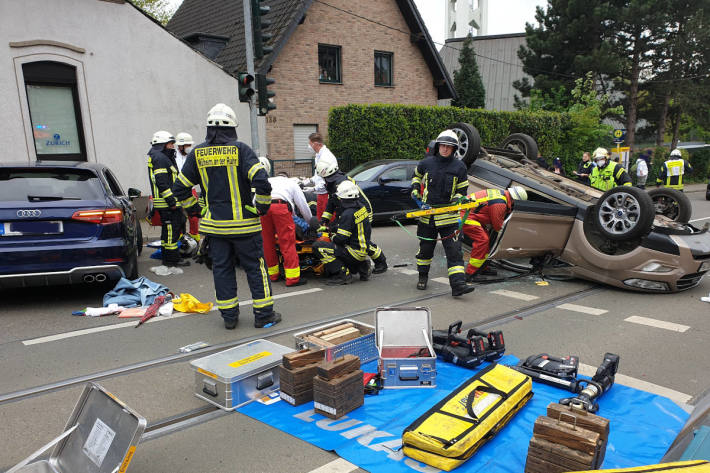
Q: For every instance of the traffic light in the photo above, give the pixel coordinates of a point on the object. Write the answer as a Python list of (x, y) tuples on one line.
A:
[(246, 87), (265, 95), (258, 24)]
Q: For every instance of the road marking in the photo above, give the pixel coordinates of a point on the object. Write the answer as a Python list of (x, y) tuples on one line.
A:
[(698, 219), (676, 396), (408, 272), (582, 309), (635, 319), (441, 280), (515, 295), (176, 315), (336, 466)]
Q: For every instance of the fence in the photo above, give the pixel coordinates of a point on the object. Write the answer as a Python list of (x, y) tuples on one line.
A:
[(304, 167)]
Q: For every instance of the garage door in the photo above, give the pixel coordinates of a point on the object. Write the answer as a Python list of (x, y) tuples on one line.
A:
[(300, 141)]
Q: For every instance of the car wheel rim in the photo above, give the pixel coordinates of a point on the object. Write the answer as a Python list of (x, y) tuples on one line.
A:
[(516, 145), (463, 143), (619, 213), (666, 206)]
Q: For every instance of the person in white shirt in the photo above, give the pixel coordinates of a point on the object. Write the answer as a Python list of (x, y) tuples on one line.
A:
[(316, 145), (641, 172), (286, 196)]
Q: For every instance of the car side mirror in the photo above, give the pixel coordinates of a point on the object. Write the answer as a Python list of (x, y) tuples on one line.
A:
[(133, 192)]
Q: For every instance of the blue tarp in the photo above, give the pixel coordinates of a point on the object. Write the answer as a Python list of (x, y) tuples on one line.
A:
[(643, 425)]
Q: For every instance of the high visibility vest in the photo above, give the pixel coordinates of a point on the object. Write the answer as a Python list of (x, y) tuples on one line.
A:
[(675, 169), (605, 179)]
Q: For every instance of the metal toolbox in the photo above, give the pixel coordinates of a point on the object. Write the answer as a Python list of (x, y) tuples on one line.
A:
[(363, 347), (100, 437), (234, 377), (406, 357)]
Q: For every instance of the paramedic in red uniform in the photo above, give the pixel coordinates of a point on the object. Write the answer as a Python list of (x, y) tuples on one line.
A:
[(492, 209)]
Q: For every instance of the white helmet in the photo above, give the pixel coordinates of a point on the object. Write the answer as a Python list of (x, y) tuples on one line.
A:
[(447, 137), (327, 165), (188, 246), (600, 153), (184, 139), (265, 164), (518, 193), (162, 136), (347, 190), (676, 153), (221, 115)]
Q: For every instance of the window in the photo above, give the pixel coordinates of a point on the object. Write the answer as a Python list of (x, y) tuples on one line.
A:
[(300, 141), (46, 184), (329, 64), (113, 184), (54, 110), (395, 174), (383, 68)]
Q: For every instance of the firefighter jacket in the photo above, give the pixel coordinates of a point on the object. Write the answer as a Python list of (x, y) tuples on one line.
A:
[(333, 207), (585, 167), (226, 170), (162, 173), (439, 181), (493, 206), (354, 228), (610, 176), (672, 172)]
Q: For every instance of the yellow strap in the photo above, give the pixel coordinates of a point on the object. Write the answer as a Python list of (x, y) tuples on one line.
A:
[(442, 210)]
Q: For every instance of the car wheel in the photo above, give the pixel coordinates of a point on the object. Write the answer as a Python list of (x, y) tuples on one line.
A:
[(624, 213), (131, 268), (707, 193), (139, 238), (469, 142), (671, 203), (521, 143)]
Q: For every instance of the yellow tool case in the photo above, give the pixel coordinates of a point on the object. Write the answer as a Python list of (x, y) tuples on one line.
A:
[(690, 466), (449, 433)]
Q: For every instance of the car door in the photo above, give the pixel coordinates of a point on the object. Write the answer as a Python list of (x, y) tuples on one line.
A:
[(129, 212), (394, 184)]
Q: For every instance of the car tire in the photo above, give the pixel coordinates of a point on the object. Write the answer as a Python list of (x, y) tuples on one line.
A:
[(707, 193), (671, 203), (139, 237), (131, 268), (624, 213), (522, 143), (469, 142)]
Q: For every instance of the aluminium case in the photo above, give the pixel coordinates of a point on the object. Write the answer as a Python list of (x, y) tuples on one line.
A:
[(364, 347), (104, 435), (402, 332), (231, 378)]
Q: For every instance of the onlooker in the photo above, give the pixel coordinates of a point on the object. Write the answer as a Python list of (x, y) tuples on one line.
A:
[(584, 169), (641, 172), (541, 161), (316, 145), (557, 166)]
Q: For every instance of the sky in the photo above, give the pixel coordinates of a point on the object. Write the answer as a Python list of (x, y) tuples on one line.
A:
[(504, 16)]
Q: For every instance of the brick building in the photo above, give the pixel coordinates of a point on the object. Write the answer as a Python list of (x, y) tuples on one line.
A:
[(325, 54)]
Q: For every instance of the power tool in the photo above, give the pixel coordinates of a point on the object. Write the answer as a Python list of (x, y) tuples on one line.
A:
[(469, 351), (558, 372), (600, 383)]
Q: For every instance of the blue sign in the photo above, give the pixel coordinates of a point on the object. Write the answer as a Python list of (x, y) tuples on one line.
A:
[(58, 141)]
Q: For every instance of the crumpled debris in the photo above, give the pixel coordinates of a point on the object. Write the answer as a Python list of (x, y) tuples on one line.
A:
[(188, 303), (111, 309), (139, 292), (705, 299), (163, 270), (166, 309)]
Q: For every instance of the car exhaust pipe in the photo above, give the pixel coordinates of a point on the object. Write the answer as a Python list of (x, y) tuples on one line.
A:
[(89, 278), (101, 277)]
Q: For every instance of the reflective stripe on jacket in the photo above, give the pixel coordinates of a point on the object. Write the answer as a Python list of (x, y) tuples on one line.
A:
[(492, 209), (354, 229), (672, 173), (609, 176), (162, 174)]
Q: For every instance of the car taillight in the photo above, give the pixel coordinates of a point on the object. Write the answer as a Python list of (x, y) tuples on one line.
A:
[(101, 216)]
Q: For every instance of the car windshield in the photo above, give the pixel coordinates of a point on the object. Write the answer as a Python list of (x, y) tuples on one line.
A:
[(36, 185), (366, 171)]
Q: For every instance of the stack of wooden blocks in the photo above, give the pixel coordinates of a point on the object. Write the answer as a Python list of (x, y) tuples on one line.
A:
[(296, 375), (338, 388), (567, 440), (334, 335)]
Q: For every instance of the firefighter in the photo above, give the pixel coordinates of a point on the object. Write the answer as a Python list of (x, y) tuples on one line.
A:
[(327, 169), (162, 172), (184, 143), (607, 174), (286, 196), (227, 170), (346, 253), (441, 180), (673, 170), (493, 206)]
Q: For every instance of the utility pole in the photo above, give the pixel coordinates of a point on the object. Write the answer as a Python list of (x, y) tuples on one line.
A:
[(249, 46)]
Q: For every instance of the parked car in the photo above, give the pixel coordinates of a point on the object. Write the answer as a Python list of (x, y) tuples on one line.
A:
[(613, 237), (387, 184), (65, 223)]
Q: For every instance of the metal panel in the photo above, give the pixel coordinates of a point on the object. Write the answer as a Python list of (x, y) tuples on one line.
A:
[(300, 141)]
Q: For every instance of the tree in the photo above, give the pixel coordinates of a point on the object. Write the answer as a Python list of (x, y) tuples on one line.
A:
[(467, 79), (158, 9)]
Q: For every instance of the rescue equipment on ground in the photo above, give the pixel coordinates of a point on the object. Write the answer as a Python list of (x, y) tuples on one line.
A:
[(296, 374), (234, 377), (692, 466), (404, 345), (558, 372), (471, 350), (363, 346), (337, 388), (600, 383), (451, 431)]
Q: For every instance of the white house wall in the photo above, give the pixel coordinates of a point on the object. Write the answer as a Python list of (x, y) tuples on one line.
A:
[(134, 78)]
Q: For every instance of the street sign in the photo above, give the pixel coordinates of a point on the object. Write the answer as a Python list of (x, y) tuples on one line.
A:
[(619, 135)]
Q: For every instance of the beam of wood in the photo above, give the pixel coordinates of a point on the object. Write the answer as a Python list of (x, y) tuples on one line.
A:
[(333, 369), (337, 328), (303, 358), (565, 434)]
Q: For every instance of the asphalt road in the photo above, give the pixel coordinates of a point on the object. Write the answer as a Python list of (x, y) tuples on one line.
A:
[(42, 343)]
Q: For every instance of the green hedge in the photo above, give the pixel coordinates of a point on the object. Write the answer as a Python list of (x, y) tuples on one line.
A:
[(361, 133)]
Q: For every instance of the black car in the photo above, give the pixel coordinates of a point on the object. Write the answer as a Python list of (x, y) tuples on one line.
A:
[(387, 184)]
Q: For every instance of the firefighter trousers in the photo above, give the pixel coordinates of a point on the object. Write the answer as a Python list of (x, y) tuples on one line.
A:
[(249, 251), (279, 221), (480, 244), (170, 230), (336, 258), (452, 249)]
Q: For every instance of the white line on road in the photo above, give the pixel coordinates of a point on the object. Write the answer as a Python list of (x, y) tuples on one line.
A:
[(176, 315), (515, 295), (657, 323), (408, 272), (582, 309), (640, 384), (698, 219), (336, 466), (441, 280)]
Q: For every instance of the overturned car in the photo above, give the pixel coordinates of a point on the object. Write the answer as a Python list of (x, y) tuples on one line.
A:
[(620, 237)]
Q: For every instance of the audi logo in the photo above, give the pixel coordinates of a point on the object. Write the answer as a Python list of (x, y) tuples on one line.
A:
[(29, 213)]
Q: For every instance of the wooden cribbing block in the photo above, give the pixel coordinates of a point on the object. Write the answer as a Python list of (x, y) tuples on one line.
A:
[(303, 358), (318, 341), (336, 397), (563, 457), (337, 328), (333, 369), (535, 464), (583, 419), (566, 434), (343, 335), (296, 385)]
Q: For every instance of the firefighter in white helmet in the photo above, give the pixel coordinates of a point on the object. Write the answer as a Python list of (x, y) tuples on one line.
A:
[(673, 170), (183, 145), (607, 174)]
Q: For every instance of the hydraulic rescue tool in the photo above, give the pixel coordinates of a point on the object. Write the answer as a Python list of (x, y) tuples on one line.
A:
[(469, 351), (600, 383), (558, 372)]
